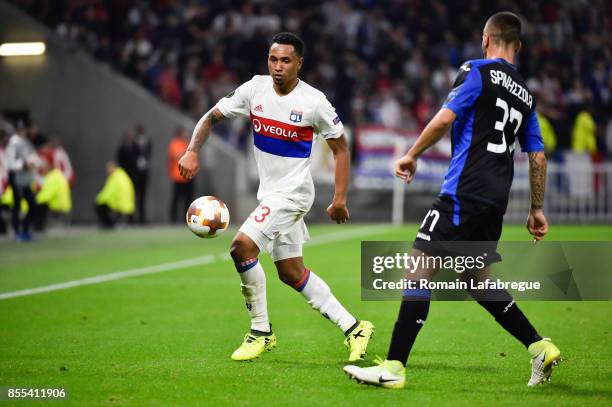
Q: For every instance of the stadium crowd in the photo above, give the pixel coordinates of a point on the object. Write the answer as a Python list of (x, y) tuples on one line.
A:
[(387, 62)]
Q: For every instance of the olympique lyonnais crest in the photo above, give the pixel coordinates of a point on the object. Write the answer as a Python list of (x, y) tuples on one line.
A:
[(295, 116)]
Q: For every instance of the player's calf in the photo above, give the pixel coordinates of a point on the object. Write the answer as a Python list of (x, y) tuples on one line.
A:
[(319, 296), (253, 288)]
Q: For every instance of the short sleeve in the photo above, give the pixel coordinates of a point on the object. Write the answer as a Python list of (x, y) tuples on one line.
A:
[(531, 137), (466, 90), (237, 103), (327, 123)]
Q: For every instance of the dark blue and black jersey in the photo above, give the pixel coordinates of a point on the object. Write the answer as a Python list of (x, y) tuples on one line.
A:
[(493, 108)]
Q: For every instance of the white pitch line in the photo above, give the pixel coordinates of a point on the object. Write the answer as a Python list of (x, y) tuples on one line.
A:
[(160, 268)]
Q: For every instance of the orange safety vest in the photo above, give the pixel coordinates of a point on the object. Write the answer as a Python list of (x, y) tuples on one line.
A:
[(176, 149)]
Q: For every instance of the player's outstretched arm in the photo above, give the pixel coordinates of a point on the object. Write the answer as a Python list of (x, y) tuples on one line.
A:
[(537, 225), (405, 167), (189, 162), (337, 210)]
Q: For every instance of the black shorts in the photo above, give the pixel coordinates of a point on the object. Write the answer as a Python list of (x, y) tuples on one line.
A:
[(460, 228)]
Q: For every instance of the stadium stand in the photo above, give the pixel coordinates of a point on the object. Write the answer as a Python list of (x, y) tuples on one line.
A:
[(385, 65), (384, 62)]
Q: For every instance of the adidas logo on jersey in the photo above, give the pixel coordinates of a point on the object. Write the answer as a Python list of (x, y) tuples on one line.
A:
[(259, 108)]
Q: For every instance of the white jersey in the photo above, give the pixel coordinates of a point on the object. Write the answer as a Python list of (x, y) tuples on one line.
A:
[(284, 129)]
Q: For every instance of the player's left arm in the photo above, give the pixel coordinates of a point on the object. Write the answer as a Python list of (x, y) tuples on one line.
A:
[(329, 126), (337, 210), (532, 143)]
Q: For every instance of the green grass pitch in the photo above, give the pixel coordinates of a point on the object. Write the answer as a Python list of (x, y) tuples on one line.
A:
[(165, 338)]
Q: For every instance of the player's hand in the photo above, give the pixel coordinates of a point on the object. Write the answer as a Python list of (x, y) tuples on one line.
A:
[(405, 167), (537, 225), (189, 165), (338, 212)]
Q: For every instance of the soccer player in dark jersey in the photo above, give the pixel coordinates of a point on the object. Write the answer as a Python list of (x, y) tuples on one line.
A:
[(488, 109)]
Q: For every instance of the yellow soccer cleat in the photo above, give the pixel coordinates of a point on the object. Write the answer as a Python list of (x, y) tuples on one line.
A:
[(357, 340), (389, 374), (253, 346), (544, 355)]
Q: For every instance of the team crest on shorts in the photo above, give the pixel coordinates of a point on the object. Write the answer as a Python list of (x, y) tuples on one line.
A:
[(295, 116)]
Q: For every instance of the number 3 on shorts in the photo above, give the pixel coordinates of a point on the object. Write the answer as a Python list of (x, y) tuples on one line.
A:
[(434, 215), (260, 213)]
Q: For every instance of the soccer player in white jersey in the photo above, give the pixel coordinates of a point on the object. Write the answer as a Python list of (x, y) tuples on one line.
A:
[(286, 114)]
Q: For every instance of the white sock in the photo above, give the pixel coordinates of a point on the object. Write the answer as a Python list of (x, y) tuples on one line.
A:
[(253, 285), (320, 297)]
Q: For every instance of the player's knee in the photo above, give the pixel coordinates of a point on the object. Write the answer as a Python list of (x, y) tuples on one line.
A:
[(290, 276), (287, 279), (237, 251), (242, 250), (290, 273)]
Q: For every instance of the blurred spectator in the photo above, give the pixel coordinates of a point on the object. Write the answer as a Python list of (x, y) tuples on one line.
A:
[(21, 160), (116, 199), (143, 167), (390, 111), (608, 138), (169, 86), (54, 196), (548, 133), (443, 78), (6, 127), (584, 138), (3, 177), (127, 154), (134, 156), (54, 156), (37, 138), (182, 189)]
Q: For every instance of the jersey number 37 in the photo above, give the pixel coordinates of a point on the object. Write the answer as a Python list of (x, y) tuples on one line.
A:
[(514, 116)]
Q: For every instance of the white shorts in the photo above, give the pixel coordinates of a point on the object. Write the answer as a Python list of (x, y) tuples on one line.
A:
[(277, 226)]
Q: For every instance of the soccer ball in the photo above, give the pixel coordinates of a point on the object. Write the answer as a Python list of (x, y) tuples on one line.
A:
[(208, 217)]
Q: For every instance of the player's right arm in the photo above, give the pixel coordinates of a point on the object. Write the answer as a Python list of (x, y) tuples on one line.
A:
[(465, 92), (189, 163), (405, 167), (233, 105)]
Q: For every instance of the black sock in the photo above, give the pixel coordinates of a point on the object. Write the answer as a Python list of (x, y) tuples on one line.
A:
[(352, 328), (255, 332), (509, 316), (412, 315)]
